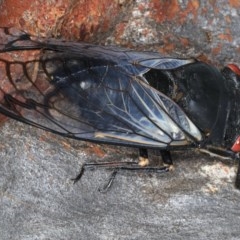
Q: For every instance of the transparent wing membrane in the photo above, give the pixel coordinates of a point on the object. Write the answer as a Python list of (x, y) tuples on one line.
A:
[(91, 93)]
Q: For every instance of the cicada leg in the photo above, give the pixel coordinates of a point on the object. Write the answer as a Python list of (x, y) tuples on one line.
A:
[(143, 157), (167, 159), (142, 166), (115, 166)]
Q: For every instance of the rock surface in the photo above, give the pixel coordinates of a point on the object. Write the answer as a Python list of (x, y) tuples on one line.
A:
[(195, 201)]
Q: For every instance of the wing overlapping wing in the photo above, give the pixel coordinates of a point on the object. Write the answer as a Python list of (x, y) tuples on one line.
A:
[(91, 93)]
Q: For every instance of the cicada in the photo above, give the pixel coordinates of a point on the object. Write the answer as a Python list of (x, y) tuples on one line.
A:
[(119, 96)]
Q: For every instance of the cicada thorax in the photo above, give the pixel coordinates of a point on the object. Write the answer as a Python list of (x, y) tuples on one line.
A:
[(201, 92)]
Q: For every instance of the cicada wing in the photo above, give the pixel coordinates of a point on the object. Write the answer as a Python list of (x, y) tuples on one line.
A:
[(86, 93), (136, 63)]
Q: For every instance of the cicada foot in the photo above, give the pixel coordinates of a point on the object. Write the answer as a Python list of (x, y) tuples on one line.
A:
[(79, 176), (143, 159)]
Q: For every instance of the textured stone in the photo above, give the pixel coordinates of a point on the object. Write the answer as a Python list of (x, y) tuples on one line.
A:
[(196, 201)]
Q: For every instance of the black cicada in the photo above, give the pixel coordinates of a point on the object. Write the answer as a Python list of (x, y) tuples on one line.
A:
[(118, 96)]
